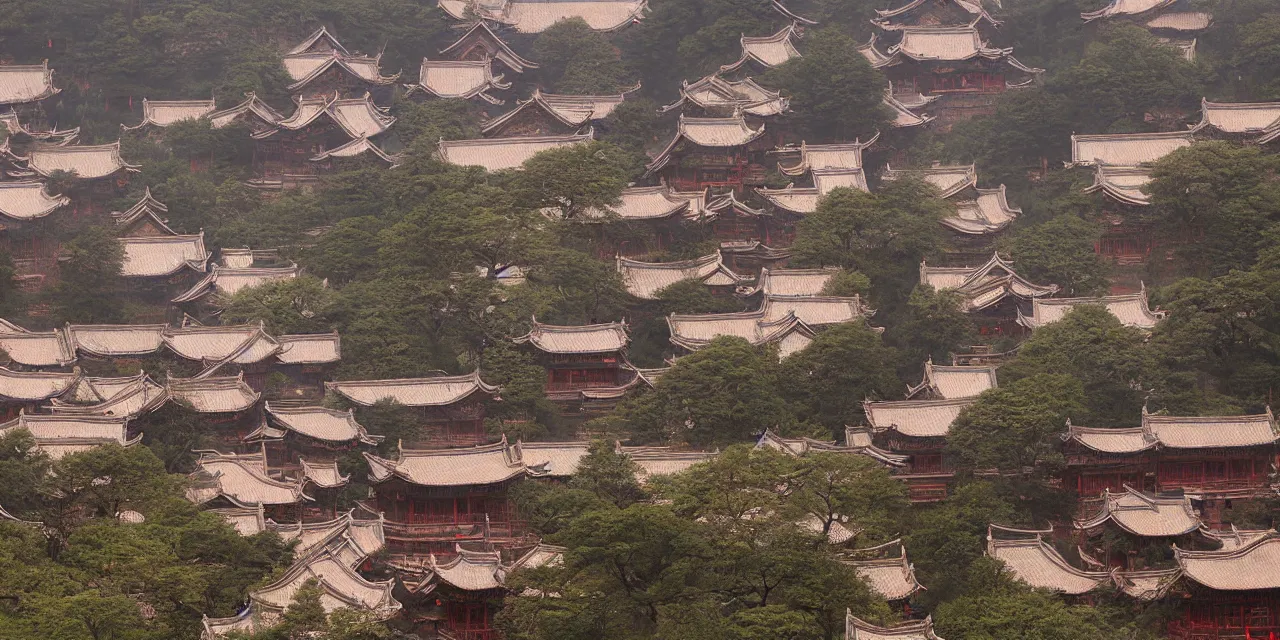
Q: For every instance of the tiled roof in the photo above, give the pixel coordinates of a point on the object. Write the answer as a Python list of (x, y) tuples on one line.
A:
[(1260, 118), (663, 461), (356, 148), (707, 132), (306, 67), (162, 113), (815, 311), (318, 348), (320, 40), (247, 342), (894, 578), (116, 340), (413, 392), (568, 110), (854, 446), (903, 116), (694, 331), (36, 348), (645, 279), (28, 200), (1126, 149), (213, 395), (1036, 563), (1125, 7), (470, 570), (251, 104), (10, 122), (342, 587), (1130, 309), (319, 423), (554, 459), (1123, 184), (885, 19), (591, 338), (227, 281), (1204, 432), (915, 418), (242, 479), (459, 79), (483, 465), (22, 83), (984, 285), (495, 46), (1181, 21), (59, 436), (496, 154), (951, 382), (717, 94), (366, 535), (949, 180), (116, 397), (804, 200), (1144, 515), (646, 203), (88, 162), (1234, 538), (157, 256), (357, 117), (989, 213), (940, 44), (766, 51), (33, 386), (846, 155), (794, 282), (146, 207), (532, 16), (856, 629), (324, 475), (246, 520), (1249, 568), (1145, 585)]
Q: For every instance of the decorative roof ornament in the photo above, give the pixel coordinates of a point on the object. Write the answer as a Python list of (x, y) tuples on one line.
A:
[(985, 285)]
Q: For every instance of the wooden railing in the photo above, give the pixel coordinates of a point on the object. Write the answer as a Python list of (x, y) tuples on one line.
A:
[(1184, 630)]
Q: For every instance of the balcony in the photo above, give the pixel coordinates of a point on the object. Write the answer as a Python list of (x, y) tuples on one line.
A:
[(1184, 630)]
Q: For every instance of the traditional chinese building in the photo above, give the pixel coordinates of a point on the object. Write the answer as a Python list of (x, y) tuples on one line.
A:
[(481, 43), (917, 429), (25, 391), (22, 204), (652, 462), (253, 113), (241, 481), (761, 53), (1232, 592), (321, 66), (942, 382), (57, 436), (855, 629), (162, 113), (932, 13), (1130, 309), (545, 114), (1033, 560), (203, 298), (692, 332), (319, 125), (434, 499), (292, 437), (887, 571), (1217, 458), (645, 219), (954, 63), (1173, 22), (497, 154), (101, 174), (711, 152), (980, 214), (1142, 527), (645, 280), (799, 201), (24, 88), (994, 292), (156, 268), (458, 79), (579, 358), (716, 97), (1257, 122), (452, 407)]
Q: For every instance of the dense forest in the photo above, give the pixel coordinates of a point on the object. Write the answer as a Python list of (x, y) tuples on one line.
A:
[(429, 269)]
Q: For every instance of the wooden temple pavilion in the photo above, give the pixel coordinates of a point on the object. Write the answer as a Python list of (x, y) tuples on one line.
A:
[(856, 629), (917, 429), (497, 154), (481, 43), (1218, 458), (711, 152), (949, 382), (433, 499), (993, 292), (1130, 309), (577, 358), (452, 408), (545, 114), (887, 571), (321, 66), (532, 16)]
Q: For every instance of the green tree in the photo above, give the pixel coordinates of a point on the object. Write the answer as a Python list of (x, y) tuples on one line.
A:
[(10, 294), (827, 381), (1015, 427), (573, 179), (1257, 51), (296, 305), (576, 59), (1061, 252), (831, 487), (847, 283), (610, 475), (725, 392), (934, 325), (946, 540), (692, 296), (89, 281), (835, 94)]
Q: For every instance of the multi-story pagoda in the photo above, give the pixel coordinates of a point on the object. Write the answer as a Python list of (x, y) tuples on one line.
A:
[(433, 499), (1218, 458), (321, 66), (993, 292), (481, 43), (712, 152), (545, 114), (580, 358), (1130, 309), (452, 408), (917, 429), (953, 63)]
